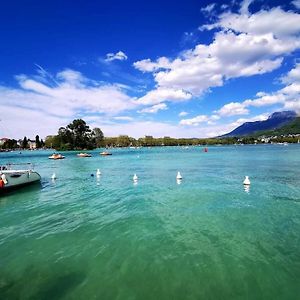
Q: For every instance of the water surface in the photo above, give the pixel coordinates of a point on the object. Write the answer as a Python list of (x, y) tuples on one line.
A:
[(83, 237)]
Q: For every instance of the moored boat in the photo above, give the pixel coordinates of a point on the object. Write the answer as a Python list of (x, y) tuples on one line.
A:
[(12, 177), (105, 153), (84, 155), (56, 156)]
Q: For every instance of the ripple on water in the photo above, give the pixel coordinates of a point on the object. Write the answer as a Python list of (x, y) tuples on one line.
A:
[(83, 237)]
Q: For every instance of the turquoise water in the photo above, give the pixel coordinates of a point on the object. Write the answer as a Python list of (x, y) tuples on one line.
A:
[(207, 238)]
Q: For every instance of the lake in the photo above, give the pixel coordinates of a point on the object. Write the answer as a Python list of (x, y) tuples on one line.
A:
[(205, 237)]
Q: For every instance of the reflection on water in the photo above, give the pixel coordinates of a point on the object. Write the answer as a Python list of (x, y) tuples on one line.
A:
[(246, 188)]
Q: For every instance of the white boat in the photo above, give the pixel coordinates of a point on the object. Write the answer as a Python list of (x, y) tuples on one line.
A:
[(84, 155), (12, 177), (56, 156)]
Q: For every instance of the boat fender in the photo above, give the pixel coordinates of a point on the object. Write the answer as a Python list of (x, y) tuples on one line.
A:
[(3, 177), (1, 184)]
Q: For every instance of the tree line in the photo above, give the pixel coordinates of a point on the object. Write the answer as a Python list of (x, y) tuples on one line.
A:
[(78, 136), (23, 144)]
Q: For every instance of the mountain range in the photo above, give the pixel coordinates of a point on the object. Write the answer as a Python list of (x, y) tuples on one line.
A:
[(285, 122)]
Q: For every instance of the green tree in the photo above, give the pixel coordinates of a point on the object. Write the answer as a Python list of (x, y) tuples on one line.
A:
[(37, 142), (80, 133), (99, 136), (10, 144), (25, 143), (123, 141)]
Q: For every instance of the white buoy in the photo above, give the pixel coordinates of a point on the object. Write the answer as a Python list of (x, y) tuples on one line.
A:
[(98, 173), (135, 178), (53, 177), (178, 177), (246, 181)]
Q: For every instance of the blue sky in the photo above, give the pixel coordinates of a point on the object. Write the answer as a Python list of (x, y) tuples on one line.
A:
[(161, 68)]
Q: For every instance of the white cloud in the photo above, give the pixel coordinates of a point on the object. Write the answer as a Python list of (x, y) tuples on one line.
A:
[(245, 6), (74, 93), (160, 129), (247, 44), (123, 118), (116, 56), (194, 121), (18, 122), (164, 94), (288, 97), (233, 109), (296, 3), (287, 23), (241, 121), (209, 8), (72, 96), (146, 65), (183, 114), (154, 109), (293, 75)]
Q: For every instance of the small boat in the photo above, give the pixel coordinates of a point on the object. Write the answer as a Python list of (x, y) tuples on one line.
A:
[(56, 156), (105, 153), (12, 177), (84, 155)]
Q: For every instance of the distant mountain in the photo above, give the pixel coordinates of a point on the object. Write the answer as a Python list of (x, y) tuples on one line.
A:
[(292, 127), (275, 121)]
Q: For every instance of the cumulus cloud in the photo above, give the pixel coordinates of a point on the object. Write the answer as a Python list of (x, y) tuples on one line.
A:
[(245, 6), (183, 114), (296, 3), (233, 109), (120, 55), (73, 95), (288, 97), (261, 23), (292, 76), (154, 109), (164, 94), (245, 45), (194, 121)]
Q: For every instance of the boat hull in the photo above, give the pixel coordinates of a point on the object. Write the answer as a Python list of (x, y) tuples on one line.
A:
[(19, 179)]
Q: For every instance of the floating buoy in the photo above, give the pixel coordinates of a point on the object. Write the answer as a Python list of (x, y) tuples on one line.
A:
[(98, 173), (135, 178), (246, 181), (178, 177), (53, 177)]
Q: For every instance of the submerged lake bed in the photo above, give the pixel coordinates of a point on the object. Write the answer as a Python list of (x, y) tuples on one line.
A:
[(203, 237)]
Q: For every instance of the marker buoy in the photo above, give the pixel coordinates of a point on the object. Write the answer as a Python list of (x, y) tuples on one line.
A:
[(53, 177), (135, 178), (246, 181), (98, 173), (178, 177)]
